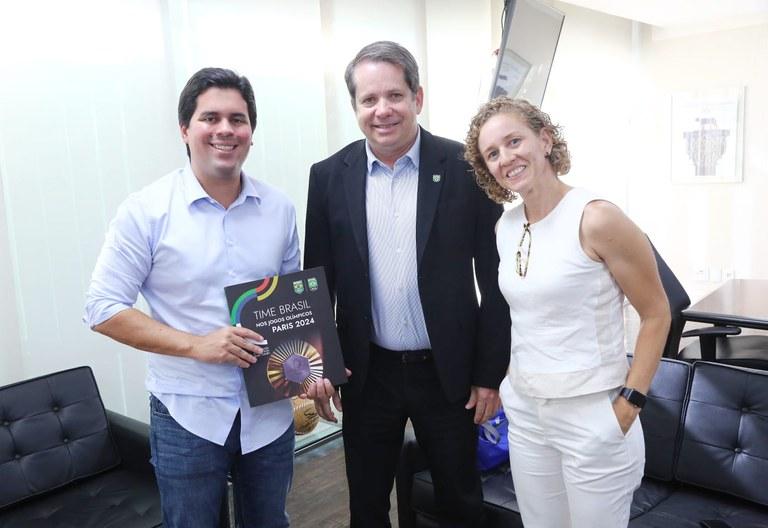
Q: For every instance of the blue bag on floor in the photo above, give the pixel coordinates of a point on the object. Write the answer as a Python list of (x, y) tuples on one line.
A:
[(492, 442)]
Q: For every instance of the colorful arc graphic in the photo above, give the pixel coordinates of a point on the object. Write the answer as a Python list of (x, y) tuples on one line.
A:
[(263, 290)]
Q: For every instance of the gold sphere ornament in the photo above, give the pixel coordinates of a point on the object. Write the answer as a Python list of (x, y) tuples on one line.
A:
[(305, 415)]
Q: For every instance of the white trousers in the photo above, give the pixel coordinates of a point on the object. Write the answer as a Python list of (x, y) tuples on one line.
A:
[(571, 464)]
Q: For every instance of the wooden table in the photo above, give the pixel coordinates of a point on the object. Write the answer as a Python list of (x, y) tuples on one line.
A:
[(738, 302), (741, 303)]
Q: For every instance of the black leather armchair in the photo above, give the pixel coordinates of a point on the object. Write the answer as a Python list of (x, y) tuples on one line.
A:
[(66, 462)]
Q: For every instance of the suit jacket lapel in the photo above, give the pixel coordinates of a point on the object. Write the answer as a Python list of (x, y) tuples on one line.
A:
[(431, 181), (354, 185)]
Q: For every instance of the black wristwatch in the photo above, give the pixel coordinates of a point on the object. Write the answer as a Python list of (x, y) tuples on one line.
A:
[(633, 396)]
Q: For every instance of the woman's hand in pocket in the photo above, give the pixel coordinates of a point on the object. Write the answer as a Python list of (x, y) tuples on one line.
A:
[(625, 412)]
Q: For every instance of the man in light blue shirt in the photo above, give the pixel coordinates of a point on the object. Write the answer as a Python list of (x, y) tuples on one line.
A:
[(179, 242)]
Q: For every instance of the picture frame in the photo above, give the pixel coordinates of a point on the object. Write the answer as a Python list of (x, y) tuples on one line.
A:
[(707, 136)]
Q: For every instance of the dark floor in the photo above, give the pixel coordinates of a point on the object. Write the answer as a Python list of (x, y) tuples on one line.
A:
[(319, 497)]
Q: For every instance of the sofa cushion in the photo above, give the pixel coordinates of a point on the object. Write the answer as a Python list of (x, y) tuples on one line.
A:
[(724, 445), (661, 417), (686, 507), (53, 430), (120, 498), (650, 494)]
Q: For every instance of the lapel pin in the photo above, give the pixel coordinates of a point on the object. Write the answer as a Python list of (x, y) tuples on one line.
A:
[(436, 178)]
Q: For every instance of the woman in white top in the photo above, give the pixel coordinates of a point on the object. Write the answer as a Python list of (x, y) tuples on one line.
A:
[(568, 259)]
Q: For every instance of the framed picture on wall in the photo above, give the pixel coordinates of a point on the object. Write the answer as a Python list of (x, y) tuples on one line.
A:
[(708, 136)]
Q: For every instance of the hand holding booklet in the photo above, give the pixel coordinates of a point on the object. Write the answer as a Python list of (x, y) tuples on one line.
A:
[(293, 314)]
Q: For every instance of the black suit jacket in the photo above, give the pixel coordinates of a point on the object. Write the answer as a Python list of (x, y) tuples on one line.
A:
[(454, 234)]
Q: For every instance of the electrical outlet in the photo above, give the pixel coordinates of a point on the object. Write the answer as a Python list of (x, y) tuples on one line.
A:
[(702, 274), (729, 273)]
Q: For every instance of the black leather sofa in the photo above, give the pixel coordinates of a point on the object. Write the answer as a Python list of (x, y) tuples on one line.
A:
[(66, 462), (706, 435)]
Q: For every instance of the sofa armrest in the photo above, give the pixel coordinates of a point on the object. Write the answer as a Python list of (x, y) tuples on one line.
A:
[(132, 440), (55, 433), (412, 460)]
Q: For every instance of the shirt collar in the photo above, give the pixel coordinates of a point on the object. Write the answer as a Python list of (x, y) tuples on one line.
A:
[(248, 189), (193, 191), (412, 154)]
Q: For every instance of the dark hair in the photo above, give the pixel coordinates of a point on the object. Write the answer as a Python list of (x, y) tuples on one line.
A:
[(214, 78), (384, 51), (559, 157)]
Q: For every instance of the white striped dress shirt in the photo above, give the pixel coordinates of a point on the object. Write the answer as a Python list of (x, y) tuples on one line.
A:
[(398, 318)]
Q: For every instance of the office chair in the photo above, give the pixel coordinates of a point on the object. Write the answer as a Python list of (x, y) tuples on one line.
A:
[(678, 301), (715, 343)]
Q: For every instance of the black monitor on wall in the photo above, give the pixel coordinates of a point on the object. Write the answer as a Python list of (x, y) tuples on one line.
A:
[(531, 32)]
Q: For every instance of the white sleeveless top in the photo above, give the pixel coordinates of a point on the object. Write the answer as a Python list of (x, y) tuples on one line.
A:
[(567, 312)]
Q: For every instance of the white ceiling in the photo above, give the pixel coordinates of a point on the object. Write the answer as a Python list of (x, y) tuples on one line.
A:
[(679, 14)]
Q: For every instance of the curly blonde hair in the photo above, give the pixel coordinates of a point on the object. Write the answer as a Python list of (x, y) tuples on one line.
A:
[(559, 158)]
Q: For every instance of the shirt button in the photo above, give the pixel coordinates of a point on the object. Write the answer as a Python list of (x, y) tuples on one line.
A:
[(397, 250), (231, 273)]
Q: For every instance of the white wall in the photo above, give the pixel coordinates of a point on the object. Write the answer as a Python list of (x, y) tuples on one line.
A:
[(459, 63), (587, 94), (348, 25), (84, 119), (611, 87), (11, 366), (710, 227)]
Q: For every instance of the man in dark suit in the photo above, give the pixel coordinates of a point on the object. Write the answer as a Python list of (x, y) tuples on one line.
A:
[(402, 231)]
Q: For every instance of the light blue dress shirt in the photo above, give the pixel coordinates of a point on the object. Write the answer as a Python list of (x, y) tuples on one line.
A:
[(390, 201), (179, 248)]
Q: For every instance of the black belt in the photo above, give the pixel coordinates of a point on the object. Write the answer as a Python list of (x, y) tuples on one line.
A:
[(402, 356)]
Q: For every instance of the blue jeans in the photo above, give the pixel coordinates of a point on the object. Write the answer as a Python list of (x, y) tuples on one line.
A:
[(192, 474)]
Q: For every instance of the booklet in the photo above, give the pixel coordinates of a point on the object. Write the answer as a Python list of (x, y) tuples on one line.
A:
[(293, 314)]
